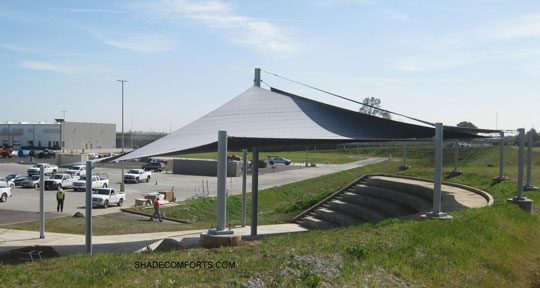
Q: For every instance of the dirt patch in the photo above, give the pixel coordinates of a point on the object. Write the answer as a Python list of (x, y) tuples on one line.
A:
[(21, 255)]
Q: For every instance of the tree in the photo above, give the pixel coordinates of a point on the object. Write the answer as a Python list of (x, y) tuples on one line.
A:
[(465, 124), (374, 103)]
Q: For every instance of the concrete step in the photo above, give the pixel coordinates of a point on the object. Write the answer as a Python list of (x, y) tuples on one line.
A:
[(405, 199), (365, 213), (401, 185), (386, 207), (315, 223), (339, 218)]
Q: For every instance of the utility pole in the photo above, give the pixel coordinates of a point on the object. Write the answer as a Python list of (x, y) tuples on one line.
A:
[(122, 186)]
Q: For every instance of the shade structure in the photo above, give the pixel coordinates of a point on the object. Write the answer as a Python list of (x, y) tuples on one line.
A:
[(260, 117)]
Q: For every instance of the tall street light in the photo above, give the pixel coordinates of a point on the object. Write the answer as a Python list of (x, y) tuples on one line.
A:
[(122, 186)]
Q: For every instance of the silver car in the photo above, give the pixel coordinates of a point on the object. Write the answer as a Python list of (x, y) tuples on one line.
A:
[(31, 182)]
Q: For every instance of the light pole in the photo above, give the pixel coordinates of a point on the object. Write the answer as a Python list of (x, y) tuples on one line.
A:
[(122, 187)]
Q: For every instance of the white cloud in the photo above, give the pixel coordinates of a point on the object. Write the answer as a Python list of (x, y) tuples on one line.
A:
[(48, 67), (69, 69), (89, 10), (469, 47), (520, 27), (145, 43), (15, 48), (398, 16), (262, 35)]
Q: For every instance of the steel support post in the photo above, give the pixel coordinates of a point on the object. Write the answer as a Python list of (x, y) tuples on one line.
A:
[(437, 183), (88, 228), (522, 201), (244, 185), (529, 186), (456, 158), (257, 79), (254, 190), (501, 176), (41, 202), (404, 165)]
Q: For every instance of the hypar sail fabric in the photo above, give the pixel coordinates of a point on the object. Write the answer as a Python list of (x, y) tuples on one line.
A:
[(259, 117)]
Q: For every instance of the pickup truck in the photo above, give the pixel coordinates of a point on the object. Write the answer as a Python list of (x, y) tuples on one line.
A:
[(5, 193), (58, 181), (153, 165), (49, 169), (137, 175), (97, 182), (76, 170), (104, 197)]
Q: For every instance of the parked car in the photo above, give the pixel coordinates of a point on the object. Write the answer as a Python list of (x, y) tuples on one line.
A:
[(153, 165), (59, 181), (98, 181), (24, 153), (5, 152), (16, 178), (6, 183), (104, 197), (5, 193), (279, 160), (49, 169), (31, 182), (137, 175), (46, 154), (76, 170)]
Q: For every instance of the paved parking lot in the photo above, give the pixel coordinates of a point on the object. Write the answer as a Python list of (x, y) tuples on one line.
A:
[(184, 186)]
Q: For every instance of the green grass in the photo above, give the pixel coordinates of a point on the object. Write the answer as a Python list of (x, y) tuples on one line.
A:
[(318, 156), (497, 246), (101, 225)]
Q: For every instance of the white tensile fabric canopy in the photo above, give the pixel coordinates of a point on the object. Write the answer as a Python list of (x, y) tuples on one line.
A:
[(259, 117)]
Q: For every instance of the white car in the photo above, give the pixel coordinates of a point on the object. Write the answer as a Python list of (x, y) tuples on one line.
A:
[(104, 197), (137, 175), (6, 183), (97, 182), (76, 170), (5, 193), (58, 181), (48, 169)]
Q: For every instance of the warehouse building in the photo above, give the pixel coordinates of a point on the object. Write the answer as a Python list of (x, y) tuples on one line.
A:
[(137, 140), (58, 135)]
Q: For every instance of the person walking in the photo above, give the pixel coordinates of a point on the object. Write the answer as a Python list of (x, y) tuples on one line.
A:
[(60, 196), (156, 210)]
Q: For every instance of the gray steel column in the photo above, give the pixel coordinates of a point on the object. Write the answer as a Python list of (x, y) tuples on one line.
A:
[(530, 139), (244, 184), (404, 165), (522, 201), (437, 182), (521, 156), (501, 159), (222, 181), (456, 158), (257, 80), (254, 190), (41, 203), (88, 227), (438, 168)]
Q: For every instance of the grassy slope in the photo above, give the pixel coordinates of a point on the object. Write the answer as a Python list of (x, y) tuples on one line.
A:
[(319, 156), (490, 247)]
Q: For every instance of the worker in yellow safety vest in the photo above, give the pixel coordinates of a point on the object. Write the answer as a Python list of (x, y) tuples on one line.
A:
[(60, 196)]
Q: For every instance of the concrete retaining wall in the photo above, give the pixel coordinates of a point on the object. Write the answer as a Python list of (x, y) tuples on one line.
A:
[(66, 159), (204, 167)]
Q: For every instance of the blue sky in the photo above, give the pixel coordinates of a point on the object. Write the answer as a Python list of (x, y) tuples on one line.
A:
[(442, 61)]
